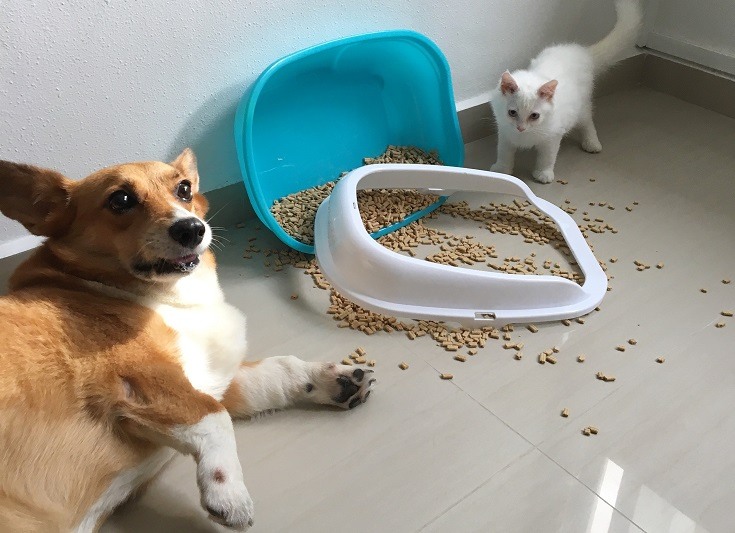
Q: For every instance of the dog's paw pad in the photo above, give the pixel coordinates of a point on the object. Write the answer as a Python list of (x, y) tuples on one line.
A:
[(343, 385)]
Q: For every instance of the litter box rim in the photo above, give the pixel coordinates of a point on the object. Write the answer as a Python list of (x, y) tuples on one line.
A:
[(363, 270)]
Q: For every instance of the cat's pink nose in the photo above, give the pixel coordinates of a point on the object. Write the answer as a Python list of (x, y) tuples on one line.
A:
[(521, 128)]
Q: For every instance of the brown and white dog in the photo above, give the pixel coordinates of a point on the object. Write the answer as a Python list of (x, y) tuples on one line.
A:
[(117, 348)]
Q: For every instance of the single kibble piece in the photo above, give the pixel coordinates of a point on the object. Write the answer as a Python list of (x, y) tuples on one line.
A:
[(551, 359), (372, 362), (346, 361), (360, 351), (294, 296), (632, 342), (720, 325), (726, 313), (542, 358), (460, 358), (660, 359), (472, 351), (566, 322), (403, 366), (581, 358), (565, 412), (660, 266), (360, 360), (726, 281), (586, 432), (703, 291), (532, 328), (354, 356), (613, 259), (580, 320), (446, 376), (518, 356), (620, 348), (609, 378), (593, 430), (555, 349)]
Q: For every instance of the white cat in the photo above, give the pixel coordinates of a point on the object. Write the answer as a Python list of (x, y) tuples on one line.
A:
[(538, 106)]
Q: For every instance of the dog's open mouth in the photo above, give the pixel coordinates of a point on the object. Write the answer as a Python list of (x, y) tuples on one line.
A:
[(178, 265)]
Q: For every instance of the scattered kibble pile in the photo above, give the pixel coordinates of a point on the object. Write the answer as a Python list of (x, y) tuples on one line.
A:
[(379, 208)]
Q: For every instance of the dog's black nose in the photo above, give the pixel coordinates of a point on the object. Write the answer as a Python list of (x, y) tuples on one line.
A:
[(187, 232)]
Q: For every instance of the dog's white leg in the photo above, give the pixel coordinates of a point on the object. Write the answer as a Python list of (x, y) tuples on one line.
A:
[(157, 402), (219, 475), (278, 382)]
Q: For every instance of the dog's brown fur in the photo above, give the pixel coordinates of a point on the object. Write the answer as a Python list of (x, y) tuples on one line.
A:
[(92, 378), (76, 404)]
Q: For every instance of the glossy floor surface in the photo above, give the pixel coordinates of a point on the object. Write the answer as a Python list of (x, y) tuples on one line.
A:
[(488, 450)]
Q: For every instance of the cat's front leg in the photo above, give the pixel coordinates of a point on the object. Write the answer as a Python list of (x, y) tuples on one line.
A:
[(546, 160), (506, 156)]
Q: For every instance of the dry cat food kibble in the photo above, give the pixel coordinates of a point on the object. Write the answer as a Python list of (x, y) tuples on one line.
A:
[(446, 376), (294, 296), (565, 412), (720, 325), (347, 361), (726, 313), (460, 358), (403, 366), (632, 342), (660, 359), (295, 213), (581, 358), (620, 348), (532, 328), (603, 377), (726, 281), (518, 356)]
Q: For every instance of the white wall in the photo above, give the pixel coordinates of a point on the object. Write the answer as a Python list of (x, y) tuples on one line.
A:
[(87, 83), (702, 32)]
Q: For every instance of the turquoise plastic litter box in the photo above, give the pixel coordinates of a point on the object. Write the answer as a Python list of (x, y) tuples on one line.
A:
[(316, 113)]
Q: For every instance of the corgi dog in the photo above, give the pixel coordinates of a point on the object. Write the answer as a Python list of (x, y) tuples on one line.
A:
[(118, 350)]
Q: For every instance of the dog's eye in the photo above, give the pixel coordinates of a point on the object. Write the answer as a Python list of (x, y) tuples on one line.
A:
[(121, 201), (512, 113), (183, 190), (534, 116)]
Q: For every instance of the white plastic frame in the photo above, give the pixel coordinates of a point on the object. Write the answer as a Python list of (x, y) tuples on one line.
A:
[(393, 284)]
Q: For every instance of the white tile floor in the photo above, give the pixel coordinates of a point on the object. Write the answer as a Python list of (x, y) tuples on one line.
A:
[(488, 450)]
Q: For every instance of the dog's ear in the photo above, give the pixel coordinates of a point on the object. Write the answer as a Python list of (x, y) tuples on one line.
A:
[(186, 163), (36, 197)]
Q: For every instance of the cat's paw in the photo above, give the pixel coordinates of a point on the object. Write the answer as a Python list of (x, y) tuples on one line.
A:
[(502, 169), (543, 176), (592, 146)]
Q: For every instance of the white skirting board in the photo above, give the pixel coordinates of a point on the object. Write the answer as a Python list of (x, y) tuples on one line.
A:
[(19, 245)]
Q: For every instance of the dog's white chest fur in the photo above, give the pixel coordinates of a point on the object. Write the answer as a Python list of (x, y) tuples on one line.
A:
[(211, 333)]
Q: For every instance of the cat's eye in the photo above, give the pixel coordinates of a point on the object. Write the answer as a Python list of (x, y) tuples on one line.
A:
[(534, 116), (183, 190), (121, 201), (512, 113)]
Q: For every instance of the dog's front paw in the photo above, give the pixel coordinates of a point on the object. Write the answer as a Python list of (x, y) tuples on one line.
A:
[(341, 385), (226, 500), (543, 176)]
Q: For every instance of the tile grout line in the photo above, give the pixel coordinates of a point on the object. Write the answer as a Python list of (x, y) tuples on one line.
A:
[(629, 519), (470, 493)]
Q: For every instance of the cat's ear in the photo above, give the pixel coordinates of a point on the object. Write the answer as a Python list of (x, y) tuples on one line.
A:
[(507, 83), (546, 91)]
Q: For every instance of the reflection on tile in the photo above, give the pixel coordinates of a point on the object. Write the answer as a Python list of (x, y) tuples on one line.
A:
[(670, 431), (533, 494)]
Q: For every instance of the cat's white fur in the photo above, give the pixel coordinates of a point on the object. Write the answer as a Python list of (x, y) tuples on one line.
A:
[(537, 106)]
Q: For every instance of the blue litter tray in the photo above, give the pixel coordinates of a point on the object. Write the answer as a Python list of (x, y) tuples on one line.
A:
[(316, 113)]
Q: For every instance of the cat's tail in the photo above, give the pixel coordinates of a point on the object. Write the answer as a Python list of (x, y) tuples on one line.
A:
[(606, 52)]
